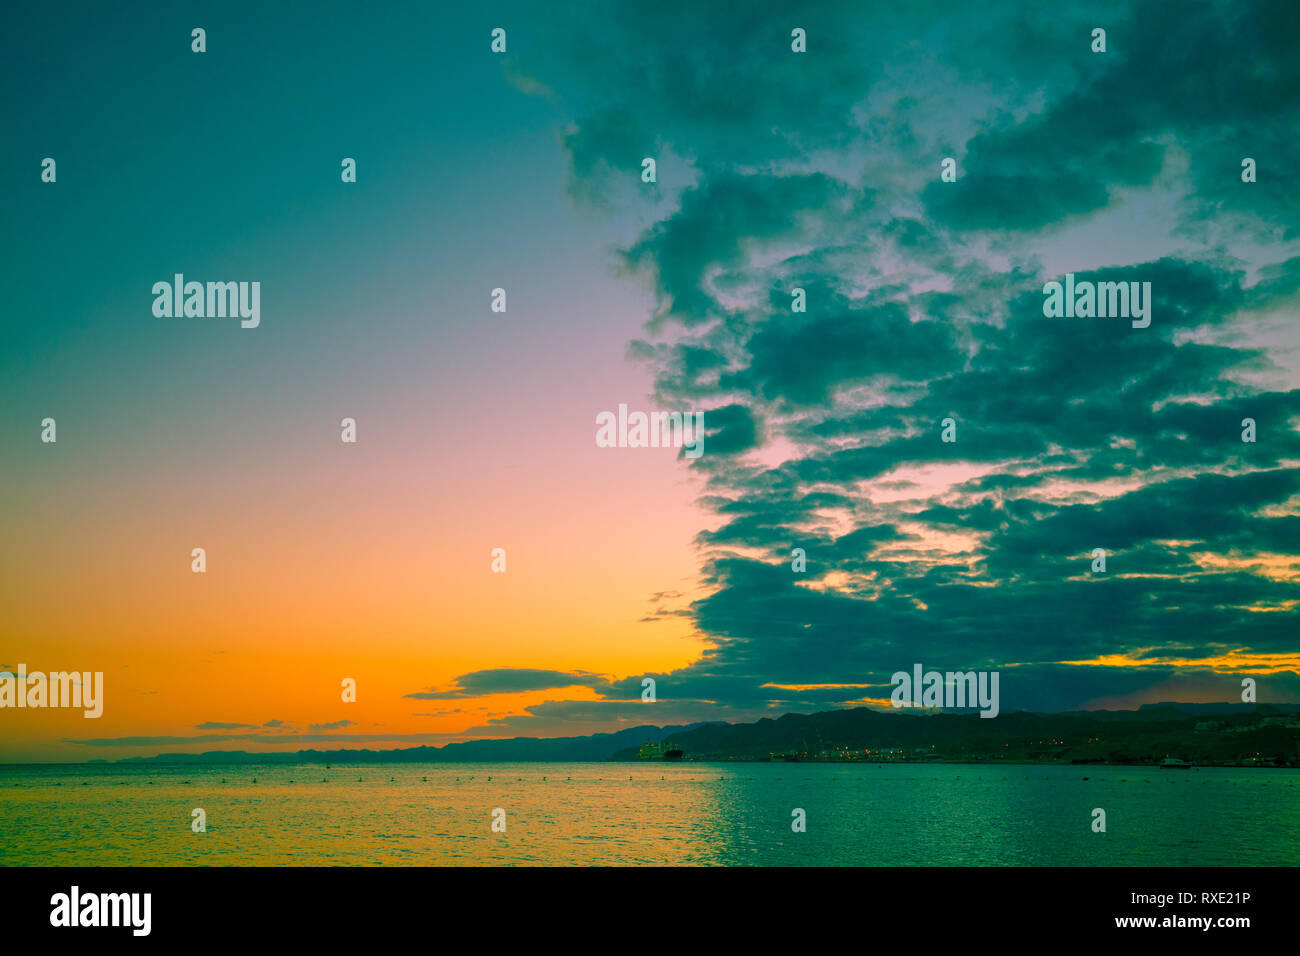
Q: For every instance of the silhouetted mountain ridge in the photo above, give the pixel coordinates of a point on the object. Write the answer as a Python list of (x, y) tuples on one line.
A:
[(1245, 734), (549, 749), (1203, 733)]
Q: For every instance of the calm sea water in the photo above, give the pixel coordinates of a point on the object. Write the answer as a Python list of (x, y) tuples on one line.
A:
[(675, 814)]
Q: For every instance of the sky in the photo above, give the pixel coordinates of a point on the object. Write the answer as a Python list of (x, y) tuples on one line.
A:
[(522, 170)]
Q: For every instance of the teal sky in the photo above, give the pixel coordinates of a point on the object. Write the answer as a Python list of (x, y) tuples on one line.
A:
[(226, 165)]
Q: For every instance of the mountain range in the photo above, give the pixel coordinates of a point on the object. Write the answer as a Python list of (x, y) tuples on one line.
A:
[(1234, 734)]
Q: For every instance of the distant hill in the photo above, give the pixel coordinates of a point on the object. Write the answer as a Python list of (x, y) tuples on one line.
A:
[(1229, 734), (550, 749), (1222, 707), (1257, 734)]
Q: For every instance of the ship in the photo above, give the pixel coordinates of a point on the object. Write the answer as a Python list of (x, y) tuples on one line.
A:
[(1173, 763), (662, 751)]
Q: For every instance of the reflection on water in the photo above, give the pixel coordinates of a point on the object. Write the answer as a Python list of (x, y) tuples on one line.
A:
[(629, 814)]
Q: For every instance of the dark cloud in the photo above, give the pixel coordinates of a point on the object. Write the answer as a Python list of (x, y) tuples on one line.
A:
[(285, 740), (511, 681), (1214, 81), (719, 225), (701, 81), (924, 302)]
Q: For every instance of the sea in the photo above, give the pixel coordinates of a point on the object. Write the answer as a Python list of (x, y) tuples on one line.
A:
[(660, 814)]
